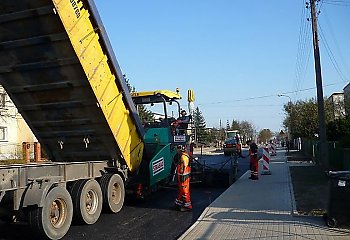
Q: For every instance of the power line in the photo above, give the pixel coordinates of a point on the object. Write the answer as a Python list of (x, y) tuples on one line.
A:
[(331, 55), (304, 48), (333, 37), (300, 46), (312, 88), (337, 3), (267, 96), (252, 105), (319, 9), (237, 100)]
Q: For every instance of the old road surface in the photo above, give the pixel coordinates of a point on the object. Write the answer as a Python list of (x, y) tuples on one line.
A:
[(146, 219)]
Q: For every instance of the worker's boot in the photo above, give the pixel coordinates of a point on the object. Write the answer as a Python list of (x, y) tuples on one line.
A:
[(185, 209), (175, 207)]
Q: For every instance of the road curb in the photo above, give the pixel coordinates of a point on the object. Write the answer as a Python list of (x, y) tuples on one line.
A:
[(207, 209), (194, 224), (294, 211)]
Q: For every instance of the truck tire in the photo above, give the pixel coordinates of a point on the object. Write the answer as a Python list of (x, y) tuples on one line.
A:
[(113, 191), (332, 222), (87, 201), (53, 220)]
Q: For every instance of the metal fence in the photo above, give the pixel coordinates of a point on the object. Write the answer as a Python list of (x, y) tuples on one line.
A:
[(10, 151), (339, 157)]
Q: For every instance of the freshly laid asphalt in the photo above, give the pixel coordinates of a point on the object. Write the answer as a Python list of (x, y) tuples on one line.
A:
[(263, 209)]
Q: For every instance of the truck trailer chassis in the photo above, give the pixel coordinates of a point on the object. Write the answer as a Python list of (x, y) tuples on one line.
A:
[(59, 69)]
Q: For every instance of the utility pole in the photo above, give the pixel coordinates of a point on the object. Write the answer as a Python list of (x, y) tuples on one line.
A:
[(320, 99), (221, 137)]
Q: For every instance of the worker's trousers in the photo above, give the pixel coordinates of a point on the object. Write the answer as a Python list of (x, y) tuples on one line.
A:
[(183, 198), (254, 167)]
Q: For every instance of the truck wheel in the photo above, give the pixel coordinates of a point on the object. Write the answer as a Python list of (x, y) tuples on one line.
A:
[(55, 217), (113, 192), (332, 222), (87, 201)]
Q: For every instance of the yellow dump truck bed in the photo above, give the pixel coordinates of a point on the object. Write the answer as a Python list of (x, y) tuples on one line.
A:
[(58, 67)]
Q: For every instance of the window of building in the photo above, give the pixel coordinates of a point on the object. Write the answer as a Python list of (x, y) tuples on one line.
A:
[(3, 134), (2, 100)]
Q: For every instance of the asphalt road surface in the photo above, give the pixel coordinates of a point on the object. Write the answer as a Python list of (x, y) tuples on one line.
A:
[(152, 218)]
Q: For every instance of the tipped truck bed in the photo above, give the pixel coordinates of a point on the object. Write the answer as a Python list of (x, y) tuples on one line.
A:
[(58, 67)]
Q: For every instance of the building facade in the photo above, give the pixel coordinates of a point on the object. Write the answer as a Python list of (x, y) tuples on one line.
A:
[(337, 102), (346, 90), (13, 129)]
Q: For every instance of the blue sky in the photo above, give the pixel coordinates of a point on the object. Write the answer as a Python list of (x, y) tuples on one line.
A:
[(231, 53)]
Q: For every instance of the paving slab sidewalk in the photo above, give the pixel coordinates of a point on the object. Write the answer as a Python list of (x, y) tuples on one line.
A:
[(260, 209)]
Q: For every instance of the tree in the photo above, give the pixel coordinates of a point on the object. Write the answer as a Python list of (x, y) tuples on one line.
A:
[(235, 125), (228, 125), (302, 121), (265, 135), (200, 125), (144, 114), (213, 135), (130, 88), (338, 129), (302, 118), (247, 130)]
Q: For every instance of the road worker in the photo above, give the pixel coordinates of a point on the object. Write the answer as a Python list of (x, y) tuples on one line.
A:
[(181, 124), (238, 146), (183, 172), (254, 162)]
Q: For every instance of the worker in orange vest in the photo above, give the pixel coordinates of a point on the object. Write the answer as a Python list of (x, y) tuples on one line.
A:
[(254, 162), (238, 146), (183, 172)]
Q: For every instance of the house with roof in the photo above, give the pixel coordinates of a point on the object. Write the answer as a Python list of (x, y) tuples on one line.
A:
[(13, 129), (346, 91), (337, 103)]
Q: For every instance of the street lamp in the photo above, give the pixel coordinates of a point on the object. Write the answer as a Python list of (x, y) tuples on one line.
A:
[(290, 101), (284, 95)]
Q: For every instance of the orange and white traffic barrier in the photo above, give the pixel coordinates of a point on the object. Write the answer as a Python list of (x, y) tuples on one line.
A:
[(266, 162), (273, 149)]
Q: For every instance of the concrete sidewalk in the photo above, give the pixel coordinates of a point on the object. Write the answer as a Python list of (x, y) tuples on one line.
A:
[(260, 209)]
